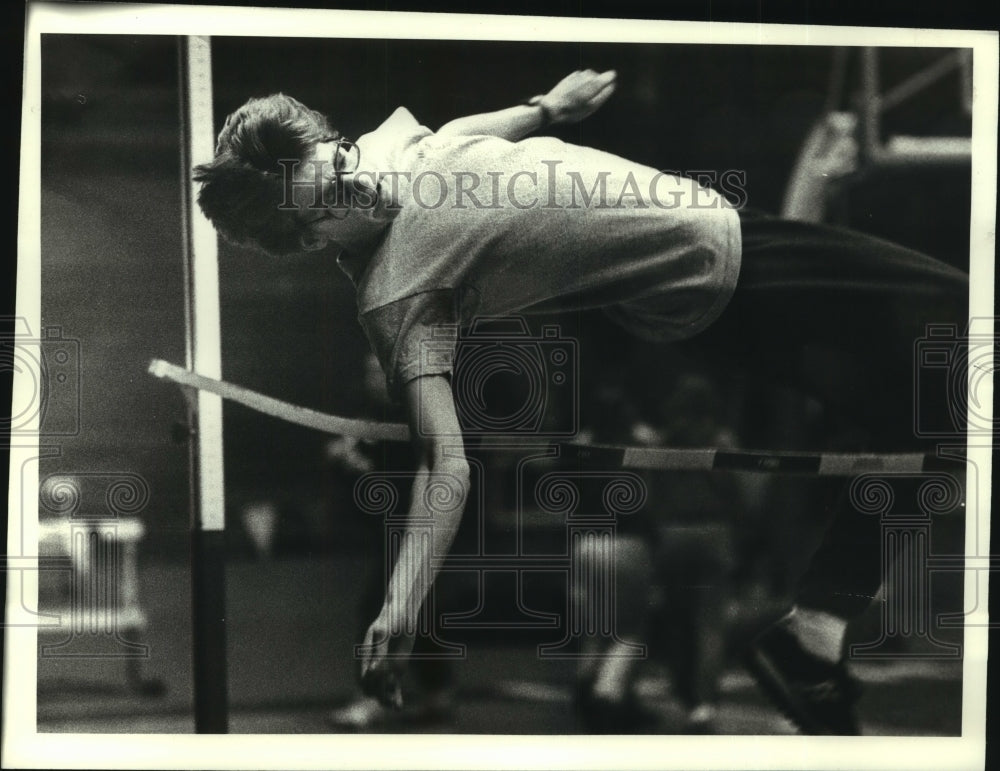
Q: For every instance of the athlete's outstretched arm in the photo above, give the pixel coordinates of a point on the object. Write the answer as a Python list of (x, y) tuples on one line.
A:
[(440, 489), (572, 99)]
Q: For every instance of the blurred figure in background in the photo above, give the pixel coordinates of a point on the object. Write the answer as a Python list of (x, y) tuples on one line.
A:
[(672, 573), (260, 518), (695, 556), (605, 696)]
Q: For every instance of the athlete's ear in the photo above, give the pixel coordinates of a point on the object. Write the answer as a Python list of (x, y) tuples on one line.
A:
[(313, 242)]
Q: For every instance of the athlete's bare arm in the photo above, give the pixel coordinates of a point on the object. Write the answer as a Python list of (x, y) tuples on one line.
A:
[(572, 99), (441, 483), (440, 488)]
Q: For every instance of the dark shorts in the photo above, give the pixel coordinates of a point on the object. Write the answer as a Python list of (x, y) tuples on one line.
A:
[(835, 314)]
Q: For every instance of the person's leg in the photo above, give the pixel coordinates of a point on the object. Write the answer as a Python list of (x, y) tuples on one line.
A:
[(363, 712), (837, 314), (605, 697), (693, 565)]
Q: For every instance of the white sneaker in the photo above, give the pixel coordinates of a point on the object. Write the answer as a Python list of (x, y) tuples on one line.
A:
[(360, 714)]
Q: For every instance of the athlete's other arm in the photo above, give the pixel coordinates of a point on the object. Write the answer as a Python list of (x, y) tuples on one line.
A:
[(572, 99), (440, 488)]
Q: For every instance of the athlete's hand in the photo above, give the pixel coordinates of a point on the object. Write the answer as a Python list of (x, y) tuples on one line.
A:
[(383, 662), (578, 95)]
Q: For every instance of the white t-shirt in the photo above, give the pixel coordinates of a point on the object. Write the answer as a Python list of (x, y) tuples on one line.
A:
[(483, 226)]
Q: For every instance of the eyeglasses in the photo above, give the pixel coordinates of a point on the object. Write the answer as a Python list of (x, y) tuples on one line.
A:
[(342, 154)]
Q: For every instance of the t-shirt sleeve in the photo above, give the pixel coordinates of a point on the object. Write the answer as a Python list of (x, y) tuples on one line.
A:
[(414, 336), (391, 145)]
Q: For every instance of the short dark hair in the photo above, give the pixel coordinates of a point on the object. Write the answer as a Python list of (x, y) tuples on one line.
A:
[(242, 187)]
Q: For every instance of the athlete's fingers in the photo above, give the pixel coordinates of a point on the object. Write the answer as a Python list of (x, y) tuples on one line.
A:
[(599, 80), (382, 682), (373, 681), (606, 80), (374, 648), (366, 652), (599, 87), (370, 683), (393, 696), (604, 93)]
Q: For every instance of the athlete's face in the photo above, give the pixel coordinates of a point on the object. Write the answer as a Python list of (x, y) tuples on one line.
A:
[(326, 194)]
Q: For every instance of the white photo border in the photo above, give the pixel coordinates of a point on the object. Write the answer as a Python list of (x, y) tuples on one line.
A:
[(23, 747)]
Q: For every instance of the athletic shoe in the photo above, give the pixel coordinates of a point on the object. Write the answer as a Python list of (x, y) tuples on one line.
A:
[(817, 696), (362, 714), (366, 714), (700, 720)]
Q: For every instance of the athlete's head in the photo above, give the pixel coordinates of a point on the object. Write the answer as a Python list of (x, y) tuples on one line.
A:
[(244, 186)]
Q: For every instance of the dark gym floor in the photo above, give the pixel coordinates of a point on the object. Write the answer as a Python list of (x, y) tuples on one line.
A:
[(291, 625)]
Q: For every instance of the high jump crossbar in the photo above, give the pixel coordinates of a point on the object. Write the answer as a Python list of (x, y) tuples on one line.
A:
[(827, 464)]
